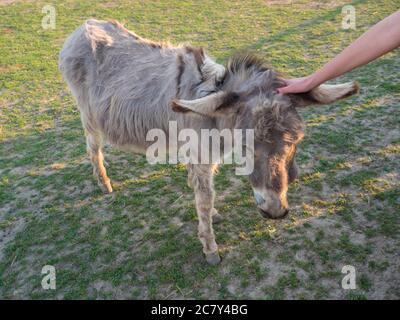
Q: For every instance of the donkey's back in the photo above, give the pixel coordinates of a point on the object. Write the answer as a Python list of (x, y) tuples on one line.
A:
[(119, 80)]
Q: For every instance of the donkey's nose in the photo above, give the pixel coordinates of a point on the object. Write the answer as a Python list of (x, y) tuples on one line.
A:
[(285, 214), (268, 215), (265, 214)]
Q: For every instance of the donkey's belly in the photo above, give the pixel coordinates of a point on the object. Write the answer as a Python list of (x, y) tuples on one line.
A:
[(132, 148)]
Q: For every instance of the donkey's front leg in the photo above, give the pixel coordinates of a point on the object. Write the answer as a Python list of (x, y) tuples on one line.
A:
[(204, 195), (216, 217)]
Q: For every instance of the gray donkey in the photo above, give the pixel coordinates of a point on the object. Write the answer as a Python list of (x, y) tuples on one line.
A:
[(126, 85)]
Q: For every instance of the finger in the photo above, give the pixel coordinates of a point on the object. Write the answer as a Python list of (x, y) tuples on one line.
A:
[(285, 82), (283, 90)]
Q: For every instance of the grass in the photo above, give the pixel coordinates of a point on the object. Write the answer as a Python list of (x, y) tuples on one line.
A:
[(140, 242)]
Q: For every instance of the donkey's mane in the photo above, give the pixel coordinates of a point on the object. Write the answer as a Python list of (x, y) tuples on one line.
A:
[(246, 61), (248, 66)]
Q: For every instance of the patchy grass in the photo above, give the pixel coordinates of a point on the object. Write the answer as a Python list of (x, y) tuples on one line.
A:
[(141, 242)]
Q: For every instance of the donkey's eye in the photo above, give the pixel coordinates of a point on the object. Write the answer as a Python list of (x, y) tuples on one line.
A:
[(219, 81)]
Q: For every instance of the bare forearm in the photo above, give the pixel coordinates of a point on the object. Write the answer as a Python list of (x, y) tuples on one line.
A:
[(380, 39)]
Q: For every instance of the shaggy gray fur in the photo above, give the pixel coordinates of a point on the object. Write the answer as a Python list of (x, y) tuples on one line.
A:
[(126, 85)]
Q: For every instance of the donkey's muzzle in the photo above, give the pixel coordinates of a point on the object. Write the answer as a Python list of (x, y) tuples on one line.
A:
[(266, 214)]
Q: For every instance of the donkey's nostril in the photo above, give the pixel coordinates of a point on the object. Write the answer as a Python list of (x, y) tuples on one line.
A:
[(259, 198)]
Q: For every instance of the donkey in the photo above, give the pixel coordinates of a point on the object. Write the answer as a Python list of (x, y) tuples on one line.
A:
[(125, 85)]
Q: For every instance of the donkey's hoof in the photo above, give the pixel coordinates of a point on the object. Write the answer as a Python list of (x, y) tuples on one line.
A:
[(213, 258), (217, 218)]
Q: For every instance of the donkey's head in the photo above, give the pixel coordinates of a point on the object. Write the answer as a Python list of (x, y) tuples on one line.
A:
[(247, 99)]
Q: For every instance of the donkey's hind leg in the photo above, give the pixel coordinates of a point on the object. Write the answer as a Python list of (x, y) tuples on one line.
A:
[(94, 145)]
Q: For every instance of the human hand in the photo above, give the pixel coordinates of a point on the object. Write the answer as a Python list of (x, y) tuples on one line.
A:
[(378, 40), (297, 85)]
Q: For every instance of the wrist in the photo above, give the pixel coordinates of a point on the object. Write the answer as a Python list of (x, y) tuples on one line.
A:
[(313, 81)]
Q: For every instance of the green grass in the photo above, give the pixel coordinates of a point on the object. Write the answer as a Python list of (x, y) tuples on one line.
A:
[(141, 241)]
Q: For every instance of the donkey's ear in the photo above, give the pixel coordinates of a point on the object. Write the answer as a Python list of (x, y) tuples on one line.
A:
[(216, 104), (325, 94)]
